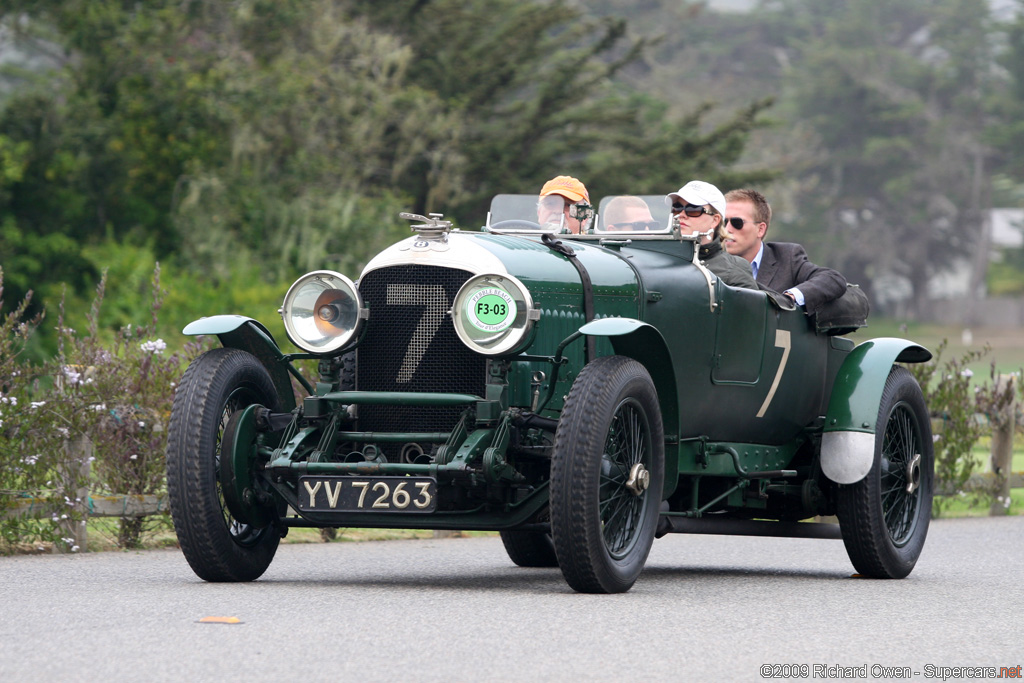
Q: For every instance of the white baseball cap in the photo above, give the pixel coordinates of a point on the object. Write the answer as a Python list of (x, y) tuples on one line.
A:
[(700, 193)]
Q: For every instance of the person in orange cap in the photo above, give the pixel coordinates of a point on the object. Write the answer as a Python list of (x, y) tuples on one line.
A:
[(565, 196)]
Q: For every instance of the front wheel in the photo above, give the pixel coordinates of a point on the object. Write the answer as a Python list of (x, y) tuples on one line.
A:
[(217, 546), (607, 469), (884, 517)]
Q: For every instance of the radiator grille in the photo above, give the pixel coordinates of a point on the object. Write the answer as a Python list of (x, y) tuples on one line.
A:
[(411, 345)]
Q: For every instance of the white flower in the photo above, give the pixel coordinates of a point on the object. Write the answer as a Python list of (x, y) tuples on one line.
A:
[(142, 425), (63, 431), (967, 373), (13, 400), (63, 516), (133, 456), (154, 346), (74, 548), (72, 375), (99, 407), (36, 404)]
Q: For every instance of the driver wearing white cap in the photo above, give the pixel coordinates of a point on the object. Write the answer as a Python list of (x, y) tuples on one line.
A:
[(699, 208)]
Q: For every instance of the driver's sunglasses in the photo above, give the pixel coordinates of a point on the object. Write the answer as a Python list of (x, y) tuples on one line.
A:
[(691, 210), (637, 226), (736, 222)]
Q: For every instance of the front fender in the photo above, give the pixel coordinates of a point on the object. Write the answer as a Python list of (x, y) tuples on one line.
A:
[(848, 441), (643, 343), (247, 334)]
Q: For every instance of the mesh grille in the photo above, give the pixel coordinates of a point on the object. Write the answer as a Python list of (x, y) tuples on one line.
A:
[(411, 345)]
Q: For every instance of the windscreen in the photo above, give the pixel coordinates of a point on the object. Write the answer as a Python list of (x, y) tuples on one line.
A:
[(633, 214)]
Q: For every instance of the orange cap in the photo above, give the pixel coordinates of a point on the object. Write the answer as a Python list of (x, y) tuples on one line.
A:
[(567, 186)]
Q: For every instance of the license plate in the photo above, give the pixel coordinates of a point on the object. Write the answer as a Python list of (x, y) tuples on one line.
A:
[(367, 494)]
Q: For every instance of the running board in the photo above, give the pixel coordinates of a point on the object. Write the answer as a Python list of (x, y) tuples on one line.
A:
[(746, 527)]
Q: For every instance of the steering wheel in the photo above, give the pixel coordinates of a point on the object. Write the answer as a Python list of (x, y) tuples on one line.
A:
[(517, 224)]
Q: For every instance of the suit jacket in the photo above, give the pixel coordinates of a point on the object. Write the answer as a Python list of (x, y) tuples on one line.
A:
[(785, 265)]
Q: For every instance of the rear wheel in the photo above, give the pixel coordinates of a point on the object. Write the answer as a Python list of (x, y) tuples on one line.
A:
[(217, 546), (530, 548), (884, 517), (606, 476)]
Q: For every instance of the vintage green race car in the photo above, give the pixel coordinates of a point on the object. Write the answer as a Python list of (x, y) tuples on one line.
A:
[(580, 394)]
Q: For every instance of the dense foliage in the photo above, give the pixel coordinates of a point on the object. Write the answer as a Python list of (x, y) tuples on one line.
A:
[(244, 143)]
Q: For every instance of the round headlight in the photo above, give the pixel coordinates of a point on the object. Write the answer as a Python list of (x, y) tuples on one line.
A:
[(321, 311), (494, 314)]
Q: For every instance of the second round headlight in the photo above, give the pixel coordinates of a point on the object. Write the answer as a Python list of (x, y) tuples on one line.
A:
[(494, 314)]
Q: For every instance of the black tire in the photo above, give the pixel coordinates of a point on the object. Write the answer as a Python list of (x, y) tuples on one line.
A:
[(884, 517), (530, 548), (217, 546), (611, 424)]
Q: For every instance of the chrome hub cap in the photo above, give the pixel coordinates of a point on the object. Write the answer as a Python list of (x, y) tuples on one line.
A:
[(914, 473), (639, 479)]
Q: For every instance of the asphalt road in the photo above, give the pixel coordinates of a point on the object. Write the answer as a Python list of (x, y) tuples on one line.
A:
[(707, 608)]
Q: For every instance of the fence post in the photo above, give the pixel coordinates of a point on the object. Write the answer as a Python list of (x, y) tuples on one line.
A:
[(1003, 427), (79, 452)]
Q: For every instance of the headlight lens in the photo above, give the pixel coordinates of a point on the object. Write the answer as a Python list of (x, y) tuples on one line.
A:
[(494, 314), (321, 311)]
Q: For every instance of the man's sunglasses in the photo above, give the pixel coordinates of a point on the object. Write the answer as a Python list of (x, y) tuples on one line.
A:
[(736, 222), (691, 210), (635, 226)]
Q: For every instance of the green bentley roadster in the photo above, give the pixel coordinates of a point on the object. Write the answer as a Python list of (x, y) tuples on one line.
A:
[(582, 395)]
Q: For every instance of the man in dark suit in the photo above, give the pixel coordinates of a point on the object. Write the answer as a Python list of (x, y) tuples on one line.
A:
[(780, 266)]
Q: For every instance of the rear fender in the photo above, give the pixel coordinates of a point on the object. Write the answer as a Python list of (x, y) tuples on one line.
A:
[(848, 441), (644, 344), (247, 334)]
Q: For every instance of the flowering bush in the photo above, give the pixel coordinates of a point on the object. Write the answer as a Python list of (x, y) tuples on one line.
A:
[(958, 410), (91, 418)]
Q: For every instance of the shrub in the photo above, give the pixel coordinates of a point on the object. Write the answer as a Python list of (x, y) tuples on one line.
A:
[(117, 395), (952, 401)]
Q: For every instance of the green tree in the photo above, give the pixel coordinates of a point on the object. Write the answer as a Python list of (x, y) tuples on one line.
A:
[(288, 134), (540, 89), (895, 94)]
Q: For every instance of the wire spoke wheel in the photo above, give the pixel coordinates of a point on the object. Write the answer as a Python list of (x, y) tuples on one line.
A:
[(900, 485), (607, 476), (628, 444), (885, 516), (216, 387)]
